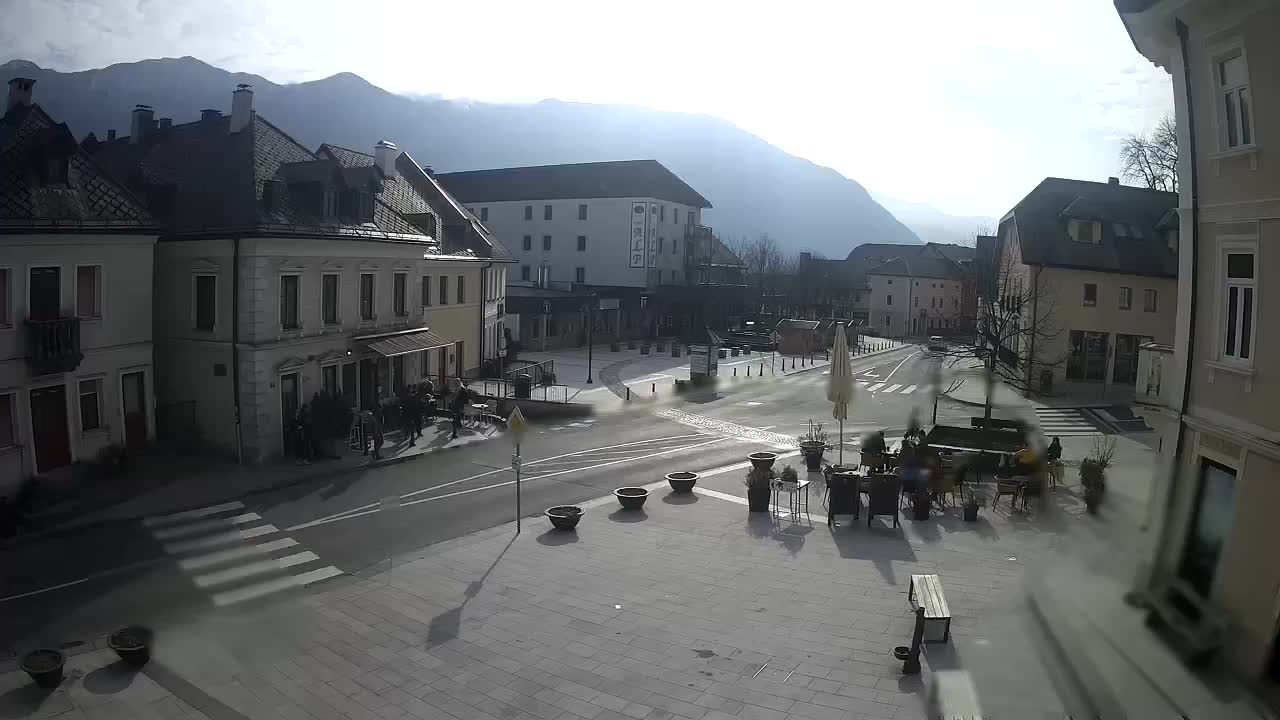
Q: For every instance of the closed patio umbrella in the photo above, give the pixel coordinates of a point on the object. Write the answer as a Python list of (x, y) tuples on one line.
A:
[(840, 386)]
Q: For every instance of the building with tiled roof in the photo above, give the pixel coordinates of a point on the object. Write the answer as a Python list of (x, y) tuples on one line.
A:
[(282, 272), (75, 301)]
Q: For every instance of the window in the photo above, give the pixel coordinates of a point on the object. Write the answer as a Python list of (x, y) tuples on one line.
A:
[(1090, 294), (90, 404), (89, 291), (462, 289), (582, 242), (1126, 298), (546, 212), (329, 299), (582, 212), (662, 213), (397, 373), (524, 272), (1210, 524), (675, 216), (366, 296), (1149, 300), (349, 384), (444, 290), (206, 301), (917, 299), (660, 242), (580, 275), (1238, 305), (888, 300), (888, 320), (330, 208), (424, 362), (1084, 232), (399, 292), (329, 380), (6, 283), (1087, 356), (546, 242), (528, 212), (1233, 84), (484, 214), (890, 282), (8, 430), (528, 242), (426, 291), (289, 302), (675, 243)]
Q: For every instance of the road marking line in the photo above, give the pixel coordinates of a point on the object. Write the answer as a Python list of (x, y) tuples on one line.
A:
[(904, 360), (892, 388), (204, 526), (213, 541), (743, 501), (267, 587), (191, 514), (908, 389), (875, 387), (240, 572), (200, 562)]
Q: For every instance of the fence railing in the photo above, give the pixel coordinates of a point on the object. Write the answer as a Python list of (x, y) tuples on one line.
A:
[(503, 389), (542, 373)]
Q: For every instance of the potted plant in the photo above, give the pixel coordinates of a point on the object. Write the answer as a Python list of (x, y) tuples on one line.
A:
[(682, 482), (971, 504), (1093, 470), (44, 666), (132, 644), (644, 349), (759, 484), (789, 475), (631, 498), (564, 517), (762, 460), (812, 444)]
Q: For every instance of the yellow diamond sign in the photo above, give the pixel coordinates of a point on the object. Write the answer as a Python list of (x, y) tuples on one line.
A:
[(517, 425)]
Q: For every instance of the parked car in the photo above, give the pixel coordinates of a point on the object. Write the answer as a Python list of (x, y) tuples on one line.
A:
[(937, 343)]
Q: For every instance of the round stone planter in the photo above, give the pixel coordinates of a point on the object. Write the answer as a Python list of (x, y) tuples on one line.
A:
[(564, 517), (758, 499), (44, 666), (812, 453), (132, 644), (682, 482), (762, 460), (631, 498)]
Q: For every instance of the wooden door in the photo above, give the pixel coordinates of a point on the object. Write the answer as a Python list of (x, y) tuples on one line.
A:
[(133, 404), (49, 428), (290, 401)]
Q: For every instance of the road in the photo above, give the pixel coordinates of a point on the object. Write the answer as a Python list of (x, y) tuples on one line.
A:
[(258, 548)]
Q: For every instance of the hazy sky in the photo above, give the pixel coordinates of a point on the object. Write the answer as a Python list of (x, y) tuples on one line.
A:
[(964, 106)]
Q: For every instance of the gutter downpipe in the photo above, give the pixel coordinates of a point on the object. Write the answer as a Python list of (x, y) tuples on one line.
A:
[(484, 300), (235, 344)]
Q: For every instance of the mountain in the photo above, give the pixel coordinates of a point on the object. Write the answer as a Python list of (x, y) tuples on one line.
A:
[(754, 186), (932, 225)]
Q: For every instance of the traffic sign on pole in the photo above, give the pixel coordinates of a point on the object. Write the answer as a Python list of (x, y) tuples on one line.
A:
[(517, 425)]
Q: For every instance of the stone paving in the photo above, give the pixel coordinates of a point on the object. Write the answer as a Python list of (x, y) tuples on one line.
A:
[(692, 609)]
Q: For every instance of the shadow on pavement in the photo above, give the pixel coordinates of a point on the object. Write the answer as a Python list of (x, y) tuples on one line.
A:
[(444, 627), (554, 537), (628, 516), (680, 498), (110, 679), (25, 701), (190, 694)]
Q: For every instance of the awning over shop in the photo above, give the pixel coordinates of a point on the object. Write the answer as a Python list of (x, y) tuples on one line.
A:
[(402, 343)]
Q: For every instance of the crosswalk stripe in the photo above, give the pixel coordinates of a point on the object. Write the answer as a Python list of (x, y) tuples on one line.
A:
[(892, 388), (204, 526), (218, 557), (266, 587), (219, 539), (248, 570), (191, 514), (863, 383), (908, 389), (875, 387)]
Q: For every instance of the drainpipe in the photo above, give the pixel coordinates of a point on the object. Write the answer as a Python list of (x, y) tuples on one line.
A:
[(484, 300), (235, 344)]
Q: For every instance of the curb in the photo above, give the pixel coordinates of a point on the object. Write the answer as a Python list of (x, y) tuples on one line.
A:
[(67, 528), (852, 358)]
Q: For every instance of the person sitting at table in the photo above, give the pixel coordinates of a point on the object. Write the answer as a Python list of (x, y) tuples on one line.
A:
[(873, 443), (1054, 452), (1025, 462)]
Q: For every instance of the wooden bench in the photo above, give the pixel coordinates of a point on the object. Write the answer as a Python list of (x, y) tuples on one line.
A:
[(1190, 625), (926, 591)]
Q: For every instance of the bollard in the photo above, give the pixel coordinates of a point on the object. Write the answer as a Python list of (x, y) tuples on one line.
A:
[(735, 372), (653, 388), (628, 392), (761, 373), (748, 371)]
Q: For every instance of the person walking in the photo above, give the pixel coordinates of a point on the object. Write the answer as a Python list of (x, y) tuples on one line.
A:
[(458, 406), (376, 417), (413, 406)]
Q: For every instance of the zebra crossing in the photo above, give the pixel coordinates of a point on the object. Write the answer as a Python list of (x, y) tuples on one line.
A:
[(872, 385), (235, 555), (1067, 422)]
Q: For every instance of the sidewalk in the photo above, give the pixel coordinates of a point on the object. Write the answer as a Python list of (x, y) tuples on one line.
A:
[(160, 485)]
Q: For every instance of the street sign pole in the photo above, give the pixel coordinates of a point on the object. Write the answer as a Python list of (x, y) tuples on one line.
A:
[(516, 425), (515, 462)]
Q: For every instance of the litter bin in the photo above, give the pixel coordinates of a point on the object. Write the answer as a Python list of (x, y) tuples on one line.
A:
[(524, 386)]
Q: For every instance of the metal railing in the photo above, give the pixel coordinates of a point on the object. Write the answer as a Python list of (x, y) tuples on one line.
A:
[(504, 389), (54, 345), (542, 373)]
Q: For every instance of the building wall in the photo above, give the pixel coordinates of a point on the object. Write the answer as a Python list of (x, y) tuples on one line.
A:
[(938, 299), (607, 229), (116, 342)]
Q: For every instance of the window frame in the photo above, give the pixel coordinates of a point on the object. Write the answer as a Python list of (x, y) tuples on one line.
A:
[(1094, 232), (547, 212), (462, 289), (528, 243), (546, 243), (400, 294), (12, 441), (424, 289), (97, 385), (1224, 52), (525, 273), (443, 290), (337, 299), (1236, 245), (97, 290), (1154, 296), (195, 301), (580, 274), (6, 298), (484, 214), (336, 368), (1084, 294), (582, 243), (372, 315), (582, 211), (297, 302), (1125, 301), (528, 212)]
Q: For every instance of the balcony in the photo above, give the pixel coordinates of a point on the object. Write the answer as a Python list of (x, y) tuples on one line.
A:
[(695, 232), (53, 346)]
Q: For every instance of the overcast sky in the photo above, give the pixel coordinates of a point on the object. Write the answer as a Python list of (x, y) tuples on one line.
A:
[(964, 106)]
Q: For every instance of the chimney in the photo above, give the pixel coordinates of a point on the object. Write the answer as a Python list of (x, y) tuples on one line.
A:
[(209, 115), (384, 156), (111, 134), (1113, 181), (19, 92), (140, 123), (166, 123), (241, 107)]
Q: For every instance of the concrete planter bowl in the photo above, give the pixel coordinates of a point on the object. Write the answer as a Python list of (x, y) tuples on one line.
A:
[(132, 644), (44, 666), (631, 498), (682, 482), (564, 517), (762, 460)]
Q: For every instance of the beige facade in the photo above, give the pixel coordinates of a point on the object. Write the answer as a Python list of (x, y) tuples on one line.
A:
[(1215, 492), (280, 366), (103, 282), (901, 305)]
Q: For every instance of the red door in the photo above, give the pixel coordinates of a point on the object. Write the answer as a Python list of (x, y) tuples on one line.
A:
[(49, 428), (133, 393)]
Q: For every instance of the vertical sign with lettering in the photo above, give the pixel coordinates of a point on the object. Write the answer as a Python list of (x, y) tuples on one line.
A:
[(639, 214), (652, 228)]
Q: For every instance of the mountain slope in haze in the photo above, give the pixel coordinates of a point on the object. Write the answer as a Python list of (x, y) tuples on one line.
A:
[(932, 225), (754, 186)]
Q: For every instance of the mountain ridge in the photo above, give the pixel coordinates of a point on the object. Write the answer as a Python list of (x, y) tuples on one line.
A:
[(754, 186)]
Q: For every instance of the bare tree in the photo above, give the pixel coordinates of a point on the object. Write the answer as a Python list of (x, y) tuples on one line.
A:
[(1152, 160)]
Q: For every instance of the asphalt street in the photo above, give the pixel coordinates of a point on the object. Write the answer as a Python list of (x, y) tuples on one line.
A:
[(258, 548)]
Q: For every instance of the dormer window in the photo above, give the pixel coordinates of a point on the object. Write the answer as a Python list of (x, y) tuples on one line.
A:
[(54, 170), (1084, 231), (366, 205), (330, 207)]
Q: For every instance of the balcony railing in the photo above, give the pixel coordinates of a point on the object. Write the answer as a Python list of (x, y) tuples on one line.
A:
[(53, 346)]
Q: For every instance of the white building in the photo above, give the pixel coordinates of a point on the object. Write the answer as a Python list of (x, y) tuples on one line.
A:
[(75, 301), (915, 295), (282, 272)]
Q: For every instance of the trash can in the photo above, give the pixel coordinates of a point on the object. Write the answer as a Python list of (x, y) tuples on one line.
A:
[(524, 386)]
